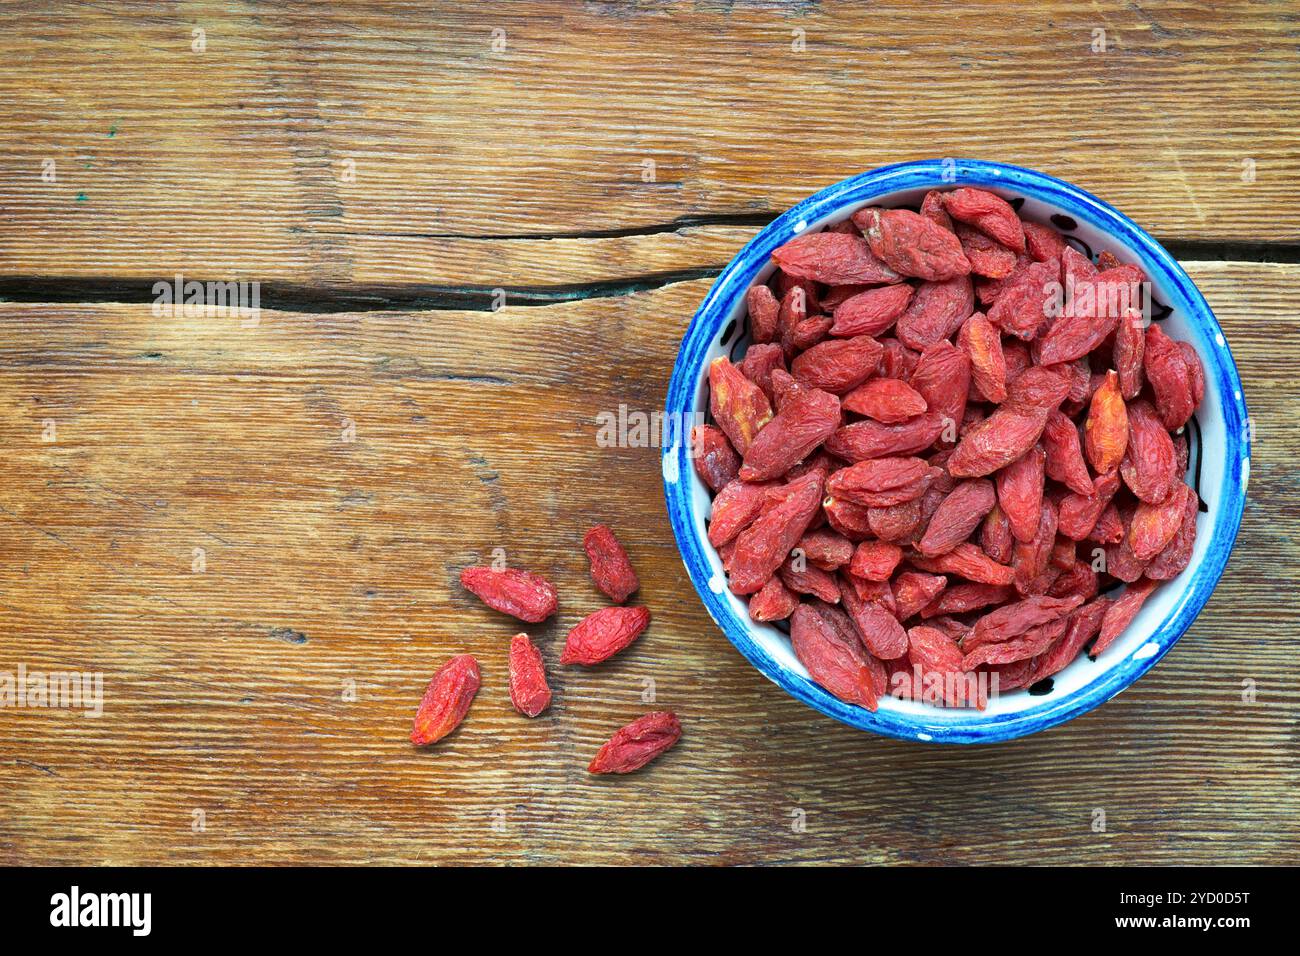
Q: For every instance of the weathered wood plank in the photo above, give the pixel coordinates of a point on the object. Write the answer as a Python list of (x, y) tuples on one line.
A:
[(355, 144), (328, 561)]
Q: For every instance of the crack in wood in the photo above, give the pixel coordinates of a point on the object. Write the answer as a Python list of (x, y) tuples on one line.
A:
[(326, 299)]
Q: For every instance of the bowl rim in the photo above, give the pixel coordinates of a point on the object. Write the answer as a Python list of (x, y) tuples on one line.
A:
[(958, 726)]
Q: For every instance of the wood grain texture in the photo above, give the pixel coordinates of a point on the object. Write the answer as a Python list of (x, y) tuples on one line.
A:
[(330, 561), (361, 142)]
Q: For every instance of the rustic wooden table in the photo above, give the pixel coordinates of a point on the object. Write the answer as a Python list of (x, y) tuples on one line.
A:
[(254, 531)]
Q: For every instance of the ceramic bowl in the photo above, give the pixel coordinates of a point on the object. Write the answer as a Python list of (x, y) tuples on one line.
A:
[(1218, 468)]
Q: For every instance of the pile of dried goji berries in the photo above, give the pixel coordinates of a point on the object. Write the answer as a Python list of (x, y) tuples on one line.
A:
[(926, 490), (597, 637)]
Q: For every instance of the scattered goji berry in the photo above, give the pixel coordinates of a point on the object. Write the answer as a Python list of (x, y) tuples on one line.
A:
[(529, 691), (635, 745), (611, 569), (446, 700), (529, 597), (601, 635)]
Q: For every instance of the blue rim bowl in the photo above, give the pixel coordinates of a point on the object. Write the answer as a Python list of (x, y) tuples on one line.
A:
[(1220, 451)]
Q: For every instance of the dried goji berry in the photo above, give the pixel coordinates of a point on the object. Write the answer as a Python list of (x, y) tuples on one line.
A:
[(804, 420), (837, 664), (529, 597), (996, 442), (826, 549), (962, 598), (1078, 514), (716, 462), (897, 524), (983, 347), (1154, 526), (1026, 300), (635, 745), (800, 576), (1064, 461), (1043, 242), (601, 635), (871, 312), (1120, 614), (1020, 493), (957, 516), (529, 691), (610, 567), (763, 310), (1130, 343), (1030, 644), (446, 700), (738, 405), (1177, 554), (886, 400), (912, 245), (1037, 389), (936, 311), (875, 560), (759, 363), (864, 440), (762, 546), (942, 378), (773, 602), (810, 331), (838, 365), (987, 212), (967, 561), (850, 520), (1149, 466), (1083, 624), (1166, 369), (833, 258), (995, 536), (1105, 433), (1012, 620), (881, 482), (986, 256), (876, 625), (914, 590)]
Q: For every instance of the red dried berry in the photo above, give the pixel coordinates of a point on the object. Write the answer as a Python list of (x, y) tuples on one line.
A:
[(529, 691), (446, 700), (599, 636), (738, 405), (804, 420), (773, 602), (762, 546), (716, 462), (1105, 433), (886, 400), (529, 597), (989, 213), (833, 258), (872, 311), (983, 347), (635, 745), (912, 245), (836, 663), (610, 567), (1121, 613)]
